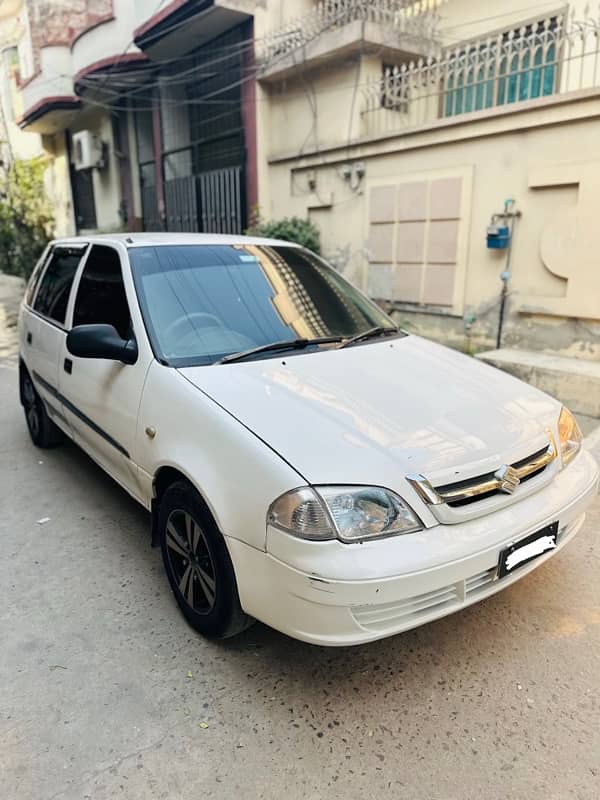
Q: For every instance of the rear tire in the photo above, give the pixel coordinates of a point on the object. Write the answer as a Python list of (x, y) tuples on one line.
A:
[(44, 433), (198, 565)]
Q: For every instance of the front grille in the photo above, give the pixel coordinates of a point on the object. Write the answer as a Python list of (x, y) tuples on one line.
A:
[(481, 581), (411, 609), (464, 488), (506, 479)]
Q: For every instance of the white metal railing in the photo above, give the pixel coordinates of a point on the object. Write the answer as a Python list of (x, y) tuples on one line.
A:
[(555, 55), (414, 17)]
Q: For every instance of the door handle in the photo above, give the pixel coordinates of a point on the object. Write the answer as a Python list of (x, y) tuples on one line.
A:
[(68, 366), (29, 337)]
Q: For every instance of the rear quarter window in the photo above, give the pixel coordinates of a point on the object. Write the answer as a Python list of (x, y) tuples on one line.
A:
[(35, 275), (55, 285)]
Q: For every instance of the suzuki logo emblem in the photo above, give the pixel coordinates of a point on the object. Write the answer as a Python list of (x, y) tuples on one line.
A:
[(509, 479)]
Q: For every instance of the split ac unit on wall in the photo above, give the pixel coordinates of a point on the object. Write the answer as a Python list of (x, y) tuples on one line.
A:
[(88, 150)]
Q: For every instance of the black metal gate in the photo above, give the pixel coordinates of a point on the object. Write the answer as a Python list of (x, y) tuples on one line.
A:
[(202, 143), (211, 202), (150, 214), (221, 200), (182, 204)]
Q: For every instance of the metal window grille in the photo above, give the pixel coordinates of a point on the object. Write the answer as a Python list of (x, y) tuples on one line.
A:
[(556, 55)]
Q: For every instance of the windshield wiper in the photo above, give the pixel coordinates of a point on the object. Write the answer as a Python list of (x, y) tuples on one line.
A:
[(289, 344), (372, 333)]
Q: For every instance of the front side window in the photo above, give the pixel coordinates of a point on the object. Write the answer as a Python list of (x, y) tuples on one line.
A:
[(203, 302), (55, 286), (101, 294)]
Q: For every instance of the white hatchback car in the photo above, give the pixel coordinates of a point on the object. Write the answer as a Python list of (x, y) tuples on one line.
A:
[(305, 462)]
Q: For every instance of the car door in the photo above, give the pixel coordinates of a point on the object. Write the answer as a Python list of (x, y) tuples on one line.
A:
[(43, 327), (101, 397)]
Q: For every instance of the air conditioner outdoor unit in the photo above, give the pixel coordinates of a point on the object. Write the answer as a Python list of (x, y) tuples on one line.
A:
[(88, 150)]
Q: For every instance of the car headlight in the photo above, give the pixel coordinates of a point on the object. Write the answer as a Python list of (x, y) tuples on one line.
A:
[(348, 513), (570, 436)]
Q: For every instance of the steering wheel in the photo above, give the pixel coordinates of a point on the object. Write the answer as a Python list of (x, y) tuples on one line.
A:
[(188, 320)]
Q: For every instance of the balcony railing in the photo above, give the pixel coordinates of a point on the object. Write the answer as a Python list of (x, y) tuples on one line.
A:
[(553, 56), (411, 17)]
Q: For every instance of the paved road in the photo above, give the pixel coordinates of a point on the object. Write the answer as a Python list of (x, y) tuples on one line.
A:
[(11, 291), (104, 690)]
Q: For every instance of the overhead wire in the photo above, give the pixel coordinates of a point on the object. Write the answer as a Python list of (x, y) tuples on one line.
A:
[(183, 75), (162, 81), (125, 51), (245, 45), (117, 96), (153, 67), (242, 46)]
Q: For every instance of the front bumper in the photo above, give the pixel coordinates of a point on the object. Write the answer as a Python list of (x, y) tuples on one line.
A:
[(331, 593)]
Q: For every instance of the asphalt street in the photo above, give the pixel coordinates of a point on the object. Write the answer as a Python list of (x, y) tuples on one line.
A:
[(105, 692)]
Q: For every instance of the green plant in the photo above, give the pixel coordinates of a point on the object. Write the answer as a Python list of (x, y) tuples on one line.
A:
[(291, 229), (26, 221)]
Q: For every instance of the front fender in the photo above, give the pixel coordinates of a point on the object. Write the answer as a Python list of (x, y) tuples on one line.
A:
[(236, 473)]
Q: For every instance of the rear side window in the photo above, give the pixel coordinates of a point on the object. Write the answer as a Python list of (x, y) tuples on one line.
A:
[(53, 295), (101, 295)]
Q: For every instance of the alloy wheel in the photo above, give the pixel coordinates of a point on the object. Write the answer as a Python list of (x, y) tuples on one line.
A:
[(190, 561)]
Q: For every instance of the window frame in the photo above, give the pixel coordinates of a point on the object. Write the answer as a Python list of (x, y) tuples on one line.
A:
[(53, 247), (124, 264)]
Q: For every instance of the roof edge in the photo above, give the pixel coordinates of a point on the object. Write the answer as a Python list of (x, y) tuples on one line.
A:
[(45, 106), (149, 32)]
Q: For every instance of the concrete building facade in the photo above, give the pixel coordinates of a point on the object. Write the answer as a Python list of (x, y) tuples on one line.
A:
[(402, 128), (403, 136)]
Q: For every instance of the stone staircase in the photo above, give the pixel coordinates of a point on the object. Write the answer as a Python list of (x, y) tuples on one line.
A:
[(574, 381)]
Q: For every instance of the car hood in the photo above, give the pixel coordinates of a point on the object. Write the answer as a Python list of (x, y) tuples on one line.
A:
[(374, 413)]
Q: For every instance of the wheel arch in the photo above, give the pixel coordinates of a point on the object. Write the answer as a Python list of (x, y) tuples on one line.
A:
[(164, 477)]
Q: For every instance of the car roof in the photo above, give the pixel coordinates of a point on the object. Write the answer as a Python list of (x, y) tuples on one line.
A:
[(161, 239)]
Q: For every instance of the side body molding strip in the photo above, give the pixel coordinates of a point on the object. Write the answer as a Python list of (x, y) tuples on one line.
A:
[(79, 414)]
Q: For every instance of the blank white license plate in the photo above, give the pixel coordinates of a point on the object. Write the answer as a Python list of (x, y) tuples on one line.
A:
[(527, 549)]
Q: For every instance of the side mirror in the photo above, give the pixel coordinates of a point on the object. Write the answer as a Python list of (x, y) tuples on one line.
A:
[(101, 341)]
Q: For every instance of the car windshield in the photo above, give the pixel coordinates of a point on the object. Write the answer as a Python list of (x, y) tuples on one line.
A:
[(202, 303)]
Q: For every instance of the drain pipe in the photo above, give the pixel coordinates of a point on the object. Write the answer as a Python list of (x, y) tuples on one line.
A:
[(505, 276)]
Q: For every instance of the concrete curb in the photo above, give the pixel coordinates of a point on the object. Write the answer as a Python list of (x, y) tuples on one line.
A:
[(573, 381)]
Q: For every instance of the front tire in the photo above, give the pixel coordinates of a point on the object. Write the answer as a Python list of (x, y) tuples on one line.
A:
[(198, 565), (44, 433)]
